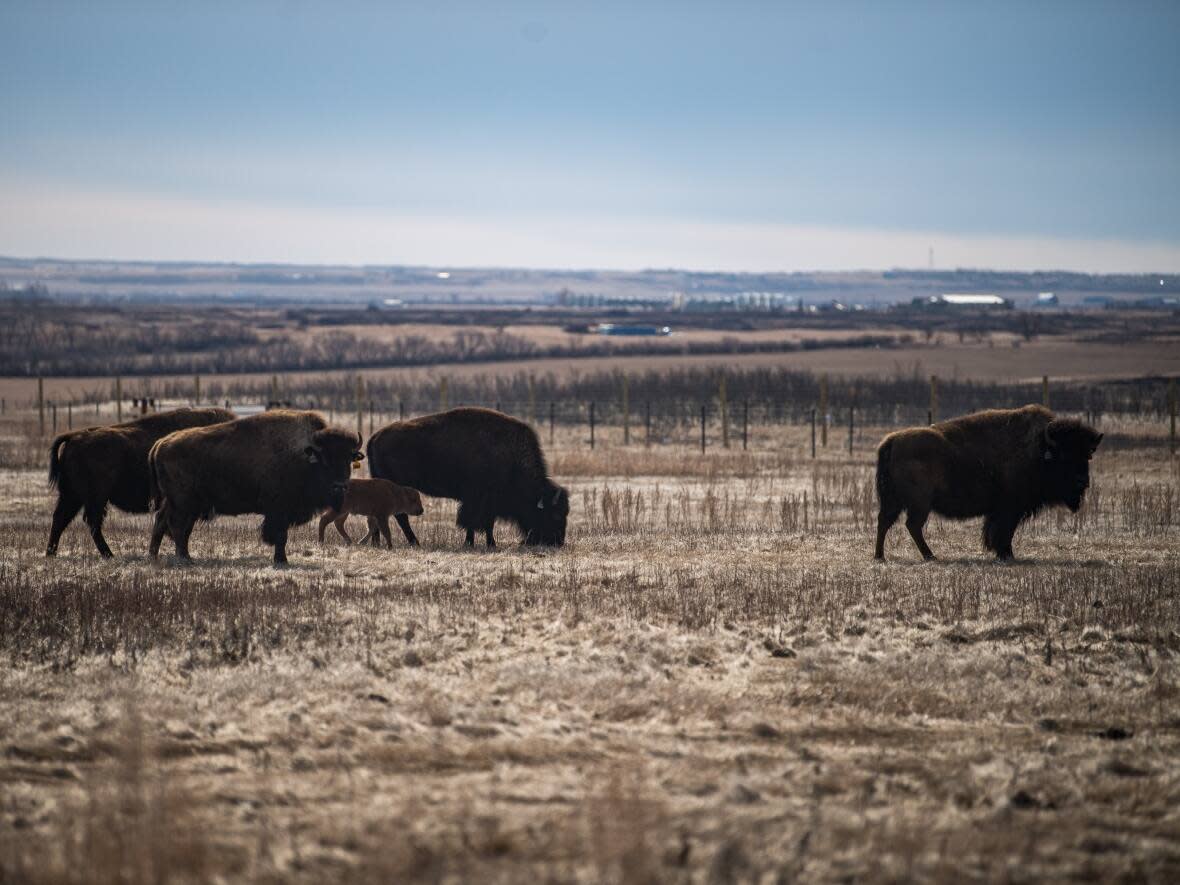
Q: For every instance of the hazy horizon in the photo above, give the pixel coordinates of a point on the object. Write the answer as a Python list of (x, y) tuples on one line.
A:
[(730, 137)]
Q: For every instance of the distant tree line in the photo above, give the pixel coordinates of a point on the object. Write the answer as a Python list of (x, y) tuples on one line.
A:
[(47, 340)]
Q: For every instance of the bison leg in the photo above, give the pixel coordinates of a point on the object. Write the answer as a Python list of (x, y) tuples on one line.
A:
[(94, 517), (159, 529), (885, 520), (63, 514), (915, 521), (328, 518), (374, 535), (403, 522), (339, 523), (274, 531), (998, 530), (180, 526), (383, 525), (487, 533)]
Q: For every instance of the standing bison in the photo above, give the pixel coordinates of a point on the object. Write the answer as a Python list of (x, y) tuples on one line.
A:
[(286, 465), (109, 465), (491, 463), (1003, 464)]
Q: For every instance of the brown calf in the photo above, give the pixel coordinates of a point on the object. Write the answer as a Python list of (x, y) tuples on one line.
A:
[(378, 499)]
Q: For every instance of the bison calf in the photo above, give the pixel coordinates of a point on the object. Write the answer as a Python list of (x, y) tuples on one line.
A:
[(1003, 464), (109, 465), (285, 465), (490, 463), (378, 499)]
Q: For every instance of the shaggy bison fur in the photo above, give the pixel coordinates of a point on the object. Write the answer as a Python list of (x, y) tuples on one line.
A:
[(377, 499), (1003, 464), (109, 465), (491, 463), (285, 465)]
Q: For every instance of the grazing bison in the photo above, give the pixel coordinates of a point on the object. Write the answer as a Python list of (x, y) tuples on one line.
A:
[(378, 499), (286, 465), (1002, 464), (491, 463), (109, 465)]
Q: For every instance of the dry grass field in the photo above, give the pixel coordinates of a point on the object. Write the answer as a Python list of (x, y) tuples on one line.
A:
[(998, 359), (713, 681)]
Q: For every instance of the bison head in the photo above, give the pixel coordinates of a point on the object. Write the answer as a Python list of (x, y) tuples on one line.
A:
[(330, 459), (547, 525), (1067, 446)]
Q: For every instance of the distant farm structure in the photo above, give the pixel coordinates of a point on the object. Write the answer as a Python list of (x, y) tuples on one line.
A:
[(964, 300)]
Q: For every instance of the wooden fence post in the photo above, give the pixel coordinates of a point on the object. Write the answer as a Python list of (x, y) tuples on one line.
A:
[(1045, 391), (591, 423), (41, 404), (703, 407), (401, 410), (370, 417), (647, 423), (626, 412), (851, 426), (823, 409), (118, 399), (745, 424), (360, 405), (1172, 410), (196, 390), (54, 407), (933, 415), (70, 415), (813, 432), (723, 404)]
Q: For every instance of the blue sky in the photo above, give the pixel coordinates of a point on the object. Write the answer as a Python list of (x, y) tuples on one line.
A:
[(761, 136)]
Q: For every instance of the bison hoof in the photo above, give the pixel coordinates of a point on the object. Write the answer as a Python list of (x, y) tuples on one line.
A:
[(52, 551)]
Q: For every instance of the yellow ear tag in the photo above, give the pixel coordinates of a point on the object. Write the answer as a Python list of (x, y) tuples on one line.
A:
[(356, 465)]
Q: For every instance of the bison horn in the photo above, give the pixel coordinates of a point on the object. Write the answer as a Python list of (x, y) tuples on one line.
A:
[(540, 503), (313, 455)]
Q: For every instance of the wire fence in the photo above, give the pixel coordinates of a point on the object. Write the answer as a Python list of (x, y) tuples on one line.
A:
[(627, 412)]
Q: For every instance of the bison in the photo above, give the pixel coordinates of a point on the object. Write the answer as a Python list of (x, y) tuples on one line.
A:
[(285, 465), (378, 499), (98, 466), (491, 463), (1002, 464)]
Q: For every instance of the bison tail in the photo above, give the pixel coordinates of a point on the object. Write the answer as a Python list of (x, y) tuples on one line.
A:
[(155, 496), (885, 490), (55, 458)]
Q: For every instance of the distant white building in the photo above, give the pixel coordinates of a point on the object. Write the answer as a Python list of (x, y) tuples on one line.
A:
[(978, 301), (964, 299), (1046, 299)]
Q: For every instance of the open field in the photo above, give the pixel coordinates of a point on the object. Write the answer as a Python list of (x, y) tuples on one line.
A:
[(713, 681)]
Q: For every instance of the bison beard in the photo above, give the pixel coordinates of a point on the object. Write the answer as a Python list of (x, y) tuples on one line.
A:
[(109, 465), (491, 463), (1003, 464), (286, 465)]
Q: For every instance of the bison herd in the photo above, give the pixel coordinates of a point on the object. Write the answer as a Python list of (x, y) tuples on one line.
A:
[(287, 466)]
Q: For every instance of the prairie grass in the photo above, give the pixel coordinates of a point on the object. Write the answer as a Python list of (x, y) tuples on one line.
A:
[(713, 681)]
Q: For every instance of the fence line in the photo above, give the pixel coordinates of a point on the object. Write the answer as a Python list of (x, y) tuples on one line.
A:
[(672, 418)]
